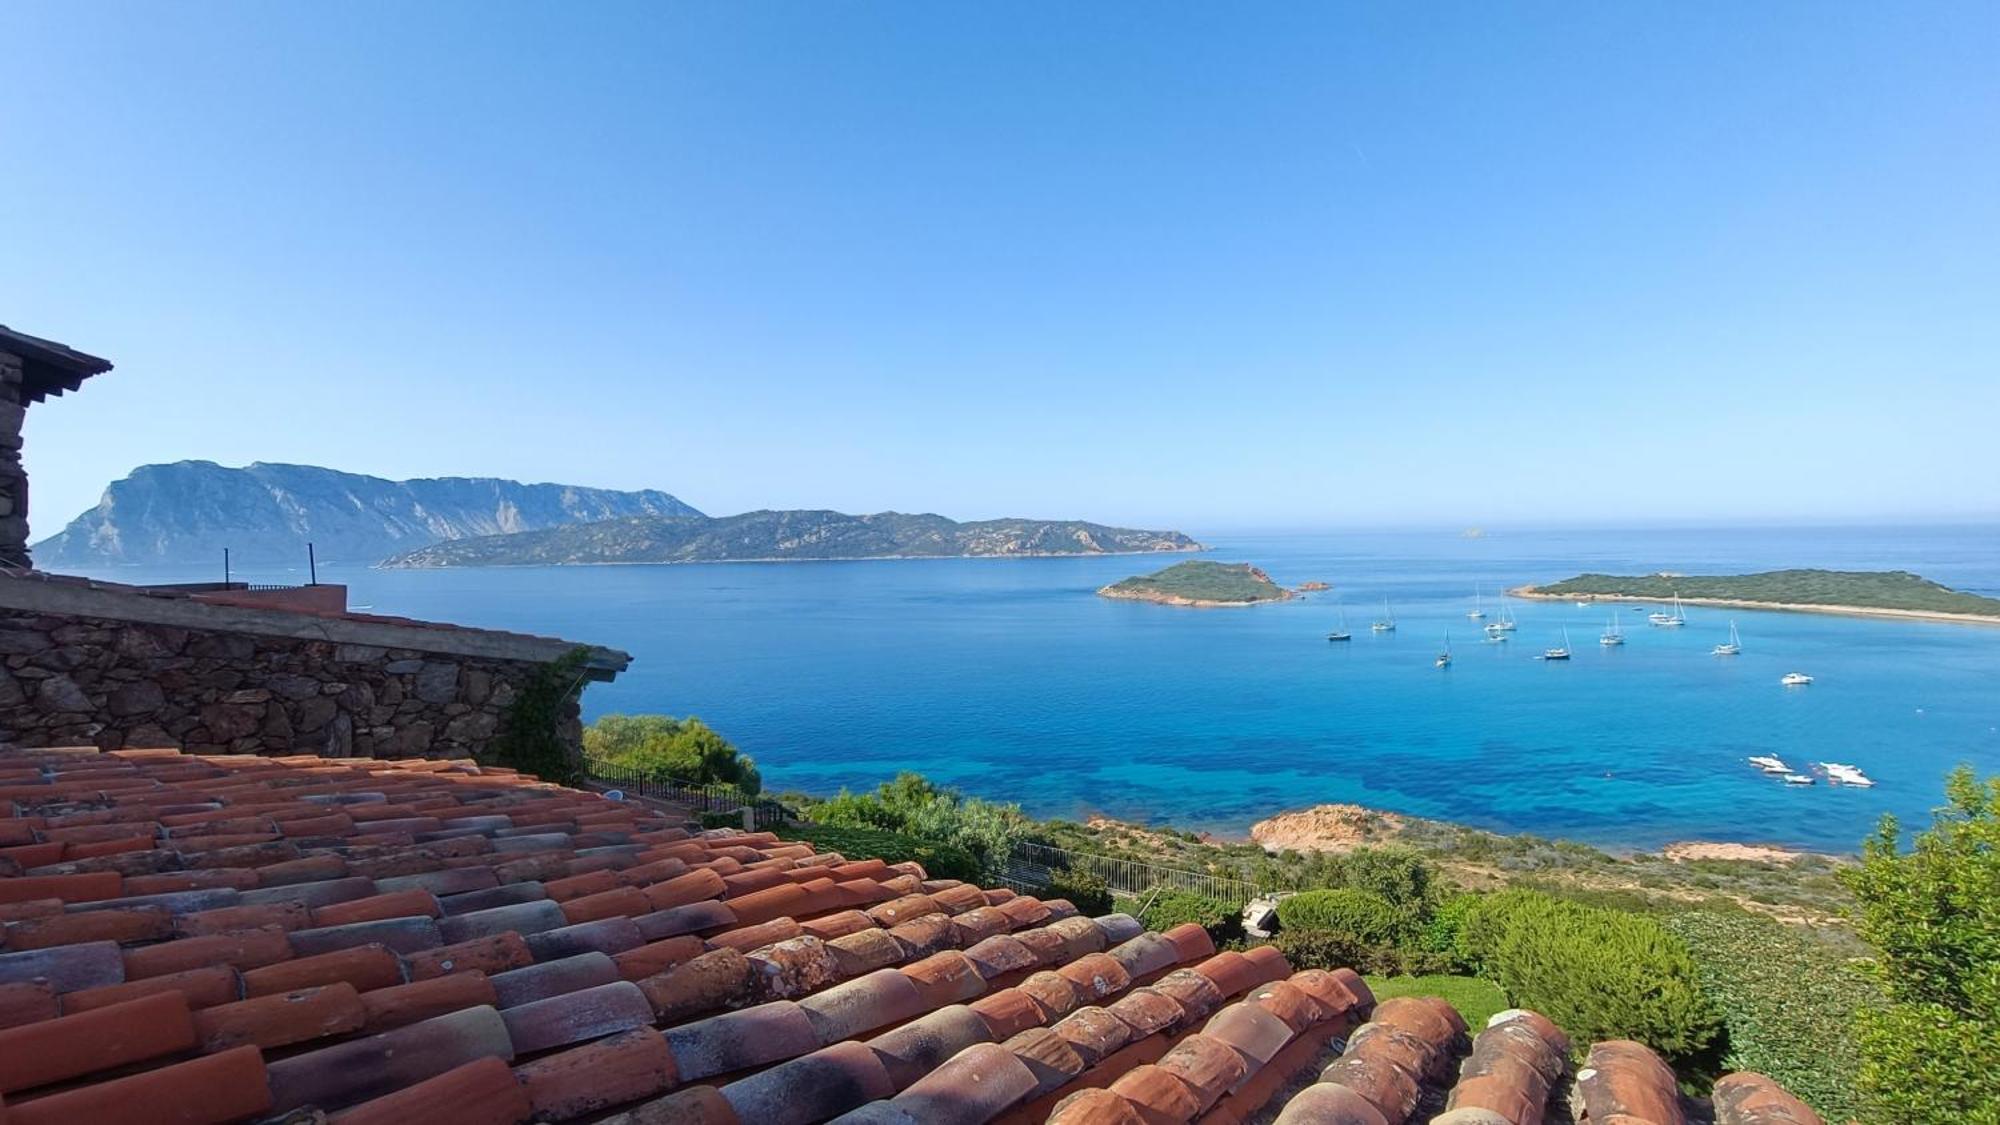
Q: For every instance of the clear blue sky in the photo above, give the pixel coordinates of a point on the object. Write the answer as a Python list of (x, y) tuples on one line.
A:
[(1190, 265)]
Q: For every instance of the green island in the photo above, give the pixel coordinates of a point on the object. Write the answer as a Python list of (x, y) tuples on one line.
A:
[(1200, 584), (1870, 592)]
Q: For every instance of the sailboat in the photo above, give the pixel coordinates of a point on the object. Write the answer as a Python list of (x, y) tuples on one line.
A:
[(1611, 635), (1341, 633), (1734, 646), (1444, 656), (1558, 653), (1388, 622), (1477, 612), (1672, 620), (1506, 624)]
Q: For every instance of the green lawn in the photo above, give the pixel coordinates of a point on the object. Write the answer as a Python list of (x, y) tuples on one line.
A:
[(1477, 1000)]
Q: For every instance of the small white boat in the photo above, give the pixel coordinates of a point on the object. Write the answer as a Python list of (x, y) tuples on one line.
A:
[(1477, 611), (1444, 655), (1733, 647), (1673, 620), (1611, 635), (1583, 605), (1839, 774), (1769, 764), (1388, 622), (1797, 779), (1795, 679), (1558, 653), (1506, 624)]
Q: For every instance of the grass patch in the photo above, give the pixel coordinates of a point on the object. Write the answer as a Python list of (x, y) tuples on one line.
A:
[(1477, 1000)]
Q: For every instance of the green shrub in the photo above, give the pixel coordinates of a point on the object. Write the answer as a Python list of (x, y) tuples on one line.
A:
[(1172, 908), (1370, 918), (939, 860), (914, 806), (1789, 1003), (1932, 1055), (1440, 934), (1599, 974), (1336, 949), (663, 748), (1087, 892)]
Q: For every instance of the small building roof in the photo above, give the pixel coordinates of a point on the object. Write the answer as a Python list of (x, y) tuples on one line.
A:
[(47, 367)]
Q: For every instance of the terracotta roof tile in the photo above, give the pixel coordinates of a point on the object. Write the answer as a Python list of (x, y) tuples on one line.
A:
[(1744, 1098), (214, 1090), (610, 1072), (389, 931)]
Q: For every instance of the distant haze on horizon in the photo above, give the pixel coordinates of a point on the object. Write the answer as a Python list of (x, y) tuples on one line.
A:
[(1171, 267)]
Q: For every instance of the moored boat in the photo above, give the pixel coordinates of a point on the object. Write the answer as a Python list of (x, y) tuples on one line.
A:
[(1732, 647), (1795, 679)]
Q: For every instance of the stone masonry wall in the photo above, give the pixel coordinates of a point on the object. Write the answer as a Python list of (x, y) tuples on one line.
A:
[(74, 681), (13, 478)]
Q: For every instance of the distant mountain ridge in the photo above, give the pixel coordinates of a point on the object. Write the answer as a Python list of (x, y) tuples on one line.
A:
[(188, 511), (791, 535)]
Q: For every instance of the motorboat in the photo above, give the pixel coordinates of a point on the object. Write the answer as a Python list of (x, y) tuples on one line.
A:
[(1795, 679)]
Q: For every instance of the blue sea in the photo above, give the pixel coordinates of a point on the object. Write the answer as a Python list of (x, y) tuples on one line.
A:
[(1010, 679)]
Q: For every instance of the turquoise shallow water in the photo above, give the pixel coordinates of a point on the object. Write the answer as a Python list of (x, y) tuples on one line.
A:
[(1009, 678)]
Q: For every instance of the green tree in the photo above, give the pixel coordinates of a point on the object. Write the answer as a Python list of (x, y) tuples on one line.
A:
[(663, 747), (1933, 1054)]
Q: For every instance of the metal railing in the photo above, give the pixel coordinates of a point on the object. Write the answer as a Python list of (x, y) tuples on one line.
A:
[(1034, 865), (698, 797)]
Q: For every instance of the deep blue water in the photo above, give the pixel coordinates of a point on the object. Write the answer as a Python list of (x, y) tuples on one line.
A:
[(1010, 679)]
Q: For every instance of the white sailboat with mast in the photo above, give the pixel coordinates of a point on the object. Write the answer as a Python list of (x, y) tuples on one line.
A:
[(1734, 645), (1444, 655), (1477, 611), (1673, 620), (1611, 636), (1340, 633), (1558, 653), (1388, 622)]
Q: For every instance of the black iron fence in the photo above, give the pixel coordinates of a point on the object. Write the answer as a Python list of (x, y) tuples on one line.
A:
[(697, 797), (1033, 865)]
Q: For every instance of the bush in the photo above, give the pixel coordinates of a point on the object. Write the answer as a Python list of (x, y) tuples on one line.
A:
[(1599, 974), (1335, 949), (1087, 892), (1367, 916), (1440, 934), (1172, 908), (1789, 1004), (913, 806), (1932, 1055), (663, 748), (532, 734), (939, 860)]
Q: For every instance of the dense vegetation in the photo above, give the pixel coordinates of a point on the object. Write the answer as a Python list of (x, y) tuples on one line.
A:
[(1867, 589), (910, 805), (1166, 909), (1599, 973), (1205, 582), (1790, 1003), (789, 535), (663, 748), (1932, 1054)]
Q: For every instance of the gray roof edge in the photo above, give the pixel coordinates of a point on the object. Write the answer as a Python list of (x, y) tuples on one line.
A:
[(33, 594)]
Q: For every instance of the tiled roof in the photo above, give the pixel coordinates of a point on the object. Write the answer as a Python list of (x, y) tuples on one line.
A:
[(47, 367), (207, 940)]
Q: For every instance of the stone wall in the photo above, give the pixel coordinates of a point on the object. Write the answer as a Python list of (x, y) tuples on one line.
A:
[(74, 680), (13, 478)]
